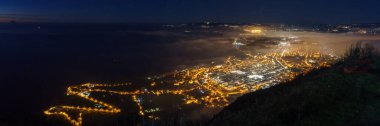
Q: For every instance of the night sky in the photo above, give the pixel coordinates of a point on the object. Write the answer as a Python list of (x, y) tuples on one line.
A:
[(182, 11)]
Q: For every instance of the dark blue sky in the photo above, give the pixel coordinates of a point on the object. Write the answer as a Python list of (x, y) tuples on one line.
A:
[(255, 11)]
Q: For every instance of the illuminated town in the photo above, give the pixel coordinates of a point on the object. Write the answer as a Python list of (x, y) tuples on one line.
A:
[(190, 62), (205, 86)]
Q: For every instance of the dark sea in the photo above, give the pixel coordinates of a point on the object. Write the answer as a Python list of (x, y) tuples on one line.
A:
[(39, 61)]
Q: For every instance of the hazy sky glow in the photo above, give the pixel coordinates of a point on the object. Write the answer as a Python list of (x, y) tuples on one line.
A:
[(255, 11)]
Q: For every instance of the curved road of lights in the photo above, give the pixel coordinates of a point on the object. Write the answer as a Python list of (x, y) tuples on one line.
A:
[(255, 72)]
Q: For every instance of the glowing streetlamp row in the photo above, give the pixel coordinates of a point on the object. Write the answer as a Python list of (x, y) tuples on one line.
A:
[(190, 80)]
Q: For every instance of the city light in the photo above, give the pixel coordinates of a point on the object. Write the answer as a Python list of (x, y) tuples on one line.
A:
[(208, 86), (256, 31)]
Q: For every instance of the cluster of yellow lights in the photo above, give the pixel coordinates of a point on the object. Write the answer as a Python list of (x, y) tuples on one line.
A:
[(192, 79), (256, 31)]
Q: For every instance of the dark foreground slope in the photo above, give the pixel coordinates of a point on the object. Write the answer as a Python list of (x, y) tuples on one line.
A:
[(347, 93)]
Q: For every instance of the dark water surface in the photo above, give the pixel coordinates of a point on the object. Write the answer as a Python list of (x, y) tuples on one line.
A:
[(38, 61)]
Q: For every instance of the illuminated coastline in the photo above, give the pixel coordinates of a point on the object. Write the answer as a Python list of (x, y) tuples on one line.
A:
[(211, 86), (207, 86)]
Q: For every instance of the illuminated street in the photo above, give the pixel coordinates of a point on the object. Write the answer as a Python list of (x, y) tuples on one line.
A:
[(206, 86), (190, 62)]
